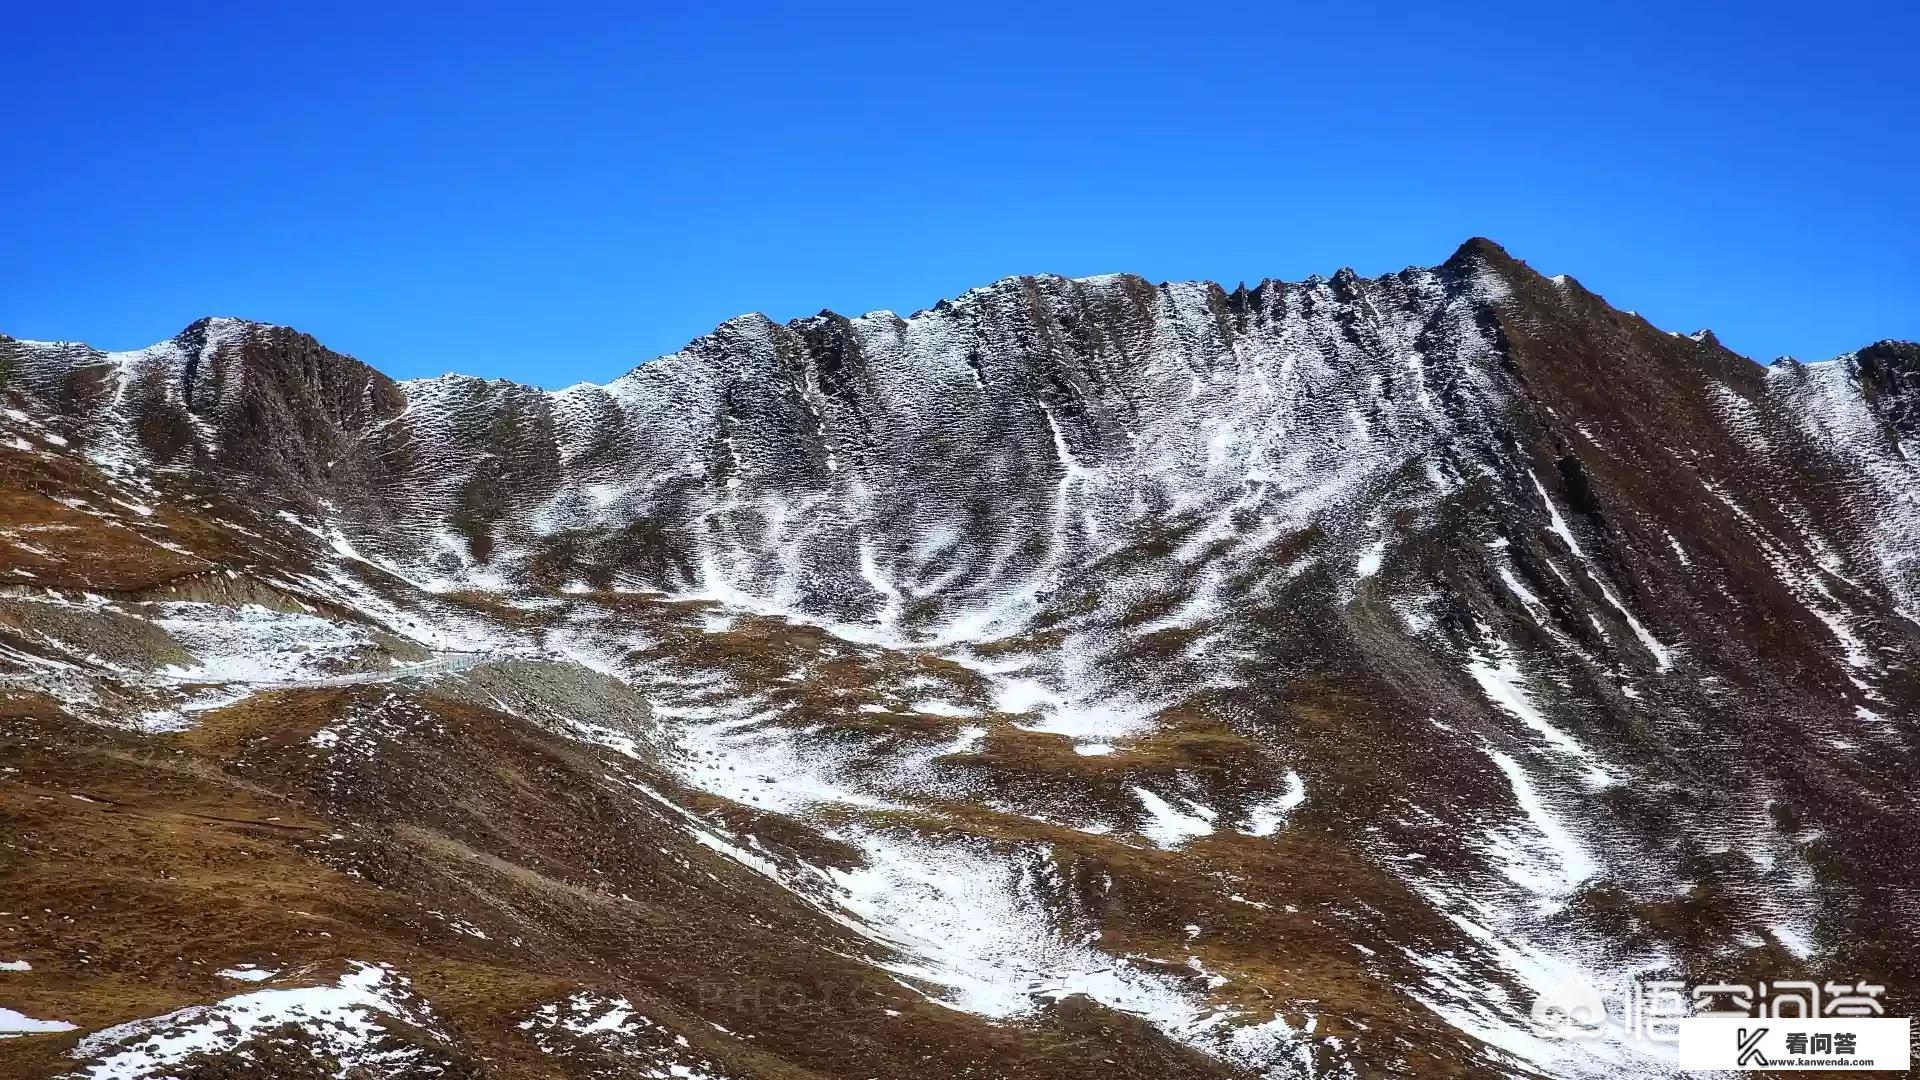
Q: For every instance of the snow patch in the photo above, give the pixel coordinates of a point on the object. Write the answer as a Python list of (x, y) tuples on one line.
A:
[(345, 1019), (1168, 826)]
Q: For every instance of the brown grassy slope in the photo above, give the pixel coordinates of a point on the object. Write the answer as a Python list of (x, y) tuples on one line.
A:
[(240, 842)]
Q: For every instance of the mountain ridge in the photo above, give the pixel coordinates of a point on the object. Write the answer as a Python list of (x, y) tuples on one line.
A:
[(1473, 248), (1352, 662)]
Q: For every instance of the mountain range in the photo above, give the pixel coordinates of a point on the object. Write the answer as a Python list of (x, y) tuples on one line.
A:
[(1080, 677)]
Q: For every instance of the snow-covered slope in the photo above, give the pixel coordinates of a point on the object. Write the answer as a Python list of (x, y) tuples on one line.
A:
[(1291, 680)]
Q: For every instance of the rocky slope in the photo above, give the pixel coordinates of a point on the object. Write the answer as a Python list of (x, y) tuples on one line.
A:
[(1080, 677)]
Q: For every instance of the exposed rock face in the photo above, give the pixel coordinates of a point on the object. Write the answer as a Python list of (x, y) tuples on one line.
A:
[(1362, 659)]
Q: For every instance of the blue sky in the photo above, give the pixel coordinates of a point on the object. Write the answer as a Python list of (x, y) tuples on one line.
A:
[(557, 195)]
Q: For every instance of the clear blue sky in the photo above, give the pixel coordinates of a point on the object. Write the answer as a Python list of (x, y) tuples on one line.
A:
[(557, 195)]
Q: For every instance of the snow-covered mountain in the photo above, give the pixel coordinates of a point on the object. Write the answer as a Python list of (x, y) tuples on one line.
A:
[(1079, 677)]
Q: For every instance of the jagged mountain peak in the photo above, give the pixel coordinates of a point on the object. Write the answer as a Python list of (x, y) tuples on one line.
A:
[(1481, 247), (1478, 252), (229, 324)]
